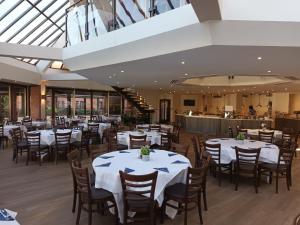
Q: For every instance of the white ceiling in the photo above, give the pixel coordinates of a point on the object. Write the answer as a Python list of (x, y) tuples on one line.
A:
[(211, 60)]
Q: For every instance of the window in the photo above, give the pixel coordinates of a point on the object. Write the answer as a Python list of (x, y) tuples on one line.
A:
[(114, 104)]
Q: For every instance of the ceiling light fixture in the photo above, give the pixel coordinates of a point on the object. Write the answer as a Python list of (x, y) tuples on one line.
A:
[(269, 71), (122, 71), (182, 62), (186, 74), (259, 58), (155, 81), (109, 77)]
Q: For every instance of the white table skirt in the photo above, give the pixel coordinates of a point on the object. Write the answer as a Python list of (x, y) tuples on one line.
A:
[(13, 215), (165, 126), (255, 132), (108, 177), (152, 136), (48, 136), (269, 152)]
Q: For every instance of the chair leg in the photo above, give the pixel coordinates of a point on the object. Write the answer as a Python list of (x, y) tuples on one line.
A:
[(185, 213), (55, 156), (277, 178), (271, 177), (90, 214), (78, 213), (199, 208), (28, 155), (256, 182), (74, 200), (288, 181), (162, 212), (204, 197), (219, 175), (237, 177), (116, 214)]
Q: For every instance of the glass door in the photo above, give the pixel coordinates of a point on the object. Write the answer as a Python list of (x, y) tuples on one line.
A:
[(165, 111)]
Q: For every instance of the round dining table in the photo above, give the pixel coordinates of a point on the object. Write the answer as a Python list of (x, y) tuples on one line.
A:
[(255, 132), (269, 152), (8, 217), (7, 128), (48, 136), (171, 167), (147, 126), (153, 137)]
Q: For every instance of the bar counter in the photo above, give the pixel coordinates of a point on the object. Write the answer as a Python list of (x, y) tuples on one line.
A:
[(291, 123), (215, 125)]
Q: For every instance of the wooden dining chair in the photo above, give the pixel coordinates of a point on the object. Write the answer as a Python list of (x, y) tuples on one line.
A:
[(297, 220), (242, 131), (3, 137), (247, 163), (197, 152), (176, 133), (266, 136), (137, 141), (19, 144), (112, 140), (84, 144), (283, 167), (89, 196), (188, 193), (155, 127), (182, 149), (101, 149), (230, 132), (74, 156), (218, 167), (138, 196), (94, 132), (165, 141), (35, 147), (62, 144)]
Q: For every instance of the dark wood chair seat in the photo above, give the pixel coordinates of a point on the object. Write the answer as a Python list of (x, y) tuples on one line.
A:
[(102, 194), (140, 204), (176, 190)]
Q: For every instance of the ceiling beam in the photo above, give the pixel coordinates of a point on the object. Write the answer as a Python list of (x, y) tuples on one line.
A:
[(30, 51), (206, 9)]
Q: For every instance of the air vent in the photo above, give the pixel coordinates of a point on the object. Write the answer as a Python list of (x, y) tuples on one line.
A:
[(292, 78)]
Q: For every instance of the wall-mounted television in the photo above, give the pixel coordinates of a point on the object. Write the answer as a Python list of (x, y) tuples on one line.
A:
[(189, 102)]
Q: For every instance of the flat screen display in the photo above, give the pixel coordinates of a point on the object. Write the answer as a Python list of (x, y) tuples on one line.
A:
[(189, 102)]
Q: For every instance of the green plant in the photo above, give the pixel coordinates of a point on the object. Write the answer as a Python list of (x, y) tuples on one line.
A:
[(145, 150), (240, 136)]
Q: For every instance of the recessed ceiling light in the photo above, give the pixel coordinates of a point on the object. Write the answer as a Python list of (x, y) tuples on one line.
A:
[(122, 71), (259, 58), (155, 81), (285, 89), (269, 71), (182, 62), (160, 88), (118, 82), (109, 77), (186, 74)]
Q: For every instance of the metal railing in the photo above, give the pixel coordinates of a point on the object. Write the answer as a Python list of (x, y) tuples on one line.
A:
[(92, 18)]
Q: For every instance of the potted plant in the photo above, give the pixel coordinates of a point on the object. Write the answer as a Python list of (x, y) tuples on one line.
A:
[(240, 138), (145, 153)]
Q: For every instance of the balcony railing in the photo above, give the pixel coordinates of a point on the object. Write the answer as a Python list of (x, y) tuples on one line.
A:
[(92, 18)]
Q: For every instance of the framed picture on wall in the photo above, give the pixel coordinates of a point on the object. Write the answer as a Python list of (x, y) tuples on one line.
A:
[(189, 102)]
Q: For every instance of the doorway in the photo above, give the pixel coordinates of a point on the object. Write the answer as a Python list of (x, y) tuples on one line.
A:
[(164, 110)]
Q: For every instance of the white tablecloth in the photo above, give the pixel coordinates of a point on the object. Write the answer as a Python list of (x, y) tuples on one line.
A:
[(108, 177), (102, 127), (13, 215), (7, 128), (255, 132), (152, 136), (48, 137), (269, 152), (39, 123), (165, 126)]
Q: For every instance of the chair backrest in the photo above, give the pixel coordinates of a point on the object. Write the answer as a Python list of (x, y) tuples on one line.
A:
[(137, 141), (73, 156), (33, 139), (17, 133), (195, 179), (214, 150), (182, 149), (101, 149), (27, 122), (154, 127), (165, 141), (242, 131), (266, 136), (93, 128), (1, 129), (230, 132), (82, 180), (197, 151), (247, 157), (63, 139), (140, 127), (286, 155), (176, 132), (137, 186)]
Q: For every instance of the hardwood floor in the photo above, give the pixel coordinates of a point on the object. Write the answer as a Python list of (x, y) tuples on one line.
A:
[(43, 196)]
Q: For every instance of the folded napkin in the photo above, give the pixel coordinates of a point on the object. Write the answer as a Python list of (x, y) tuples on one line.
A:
[(179, 162), (268, 144), (128, 170), (104, 165), (163, 169), (105, 157), (266, 147), (122, 151), (151, 150), (172, 154), (252, 141), (224, 138), (213, 140), (5, 216)]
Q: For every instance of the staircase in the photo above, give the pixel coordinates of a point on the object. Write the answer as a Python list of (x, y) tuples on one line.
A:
[(134, 99)]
